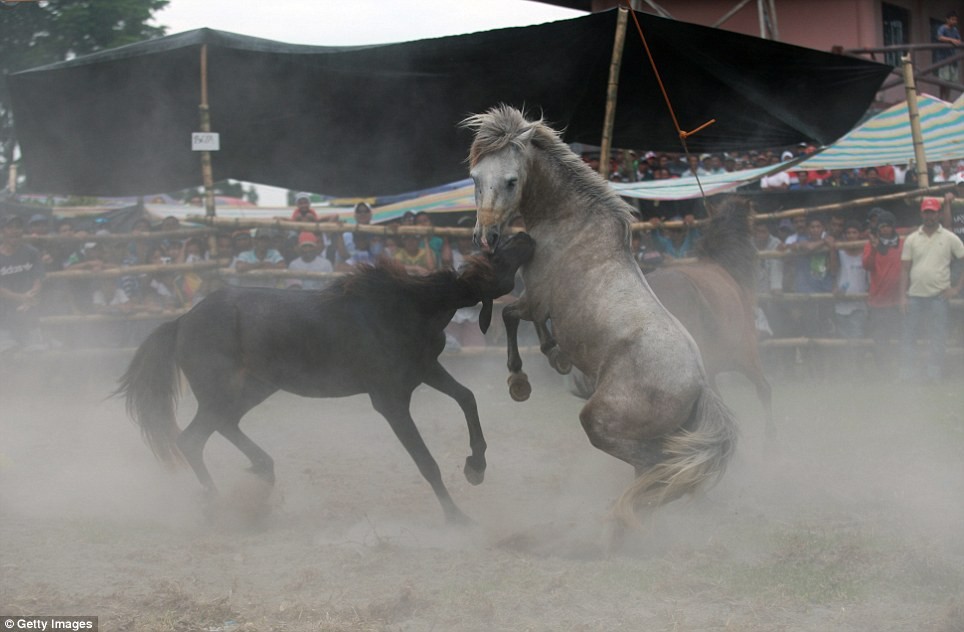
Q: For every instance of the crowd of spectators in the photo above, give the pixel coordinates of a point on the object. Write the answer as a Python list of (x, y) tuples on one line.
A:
[(633, 166), (815, 265), (901, 280)]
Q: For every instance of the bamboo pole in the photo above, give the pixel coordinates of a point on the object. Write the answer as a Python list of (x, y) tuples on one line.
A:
[(207, 173), (612, 91), (116, 237), (121, 271), (914, 114)]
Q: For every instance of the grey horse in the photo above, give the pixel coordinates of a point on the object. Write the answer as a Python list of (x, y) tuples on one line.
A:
[(652, 405)]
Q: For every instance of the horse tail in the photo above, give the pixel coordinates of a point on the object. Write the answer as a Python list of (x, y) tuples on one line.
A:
[(696, 457), (727, 241), (150, 387)]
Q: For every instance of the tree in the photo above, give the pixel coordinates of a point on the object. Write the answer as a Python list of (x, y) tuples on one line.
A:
[(38, 33)]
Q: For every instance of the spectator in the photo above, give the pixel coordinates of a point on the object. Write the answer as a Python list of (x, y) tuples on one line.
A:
[(775, 181), (434, 242), (947, 33), (224, 245), (925, 288), (93, 257), (160, 290), (416, 258), (850, 277), (784, 230), (39, 226), (812, 276), (303, 211), (714, 165), (21, 277), (364, 255), (308, 261), (260, 257), (870, 177), (694, 167), (881, 259), (953, 216), (454, 258), (769, 278), (190, 283), (836, 225), (170, 244), (241, 242), (677, 242), (348, 248)]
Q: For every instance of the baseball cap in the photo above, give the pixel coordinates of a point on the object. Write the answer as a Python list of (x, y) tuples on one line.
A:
[(930, 204), (301, 196), (307, 238)]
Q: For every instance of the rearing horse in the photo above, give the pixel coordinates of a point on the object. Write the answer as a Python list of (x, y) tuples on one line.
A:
[(652, 405)]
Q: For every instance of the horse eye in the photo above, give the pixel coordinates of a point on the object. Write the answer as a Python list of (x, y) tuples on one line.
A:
[(511, 182)]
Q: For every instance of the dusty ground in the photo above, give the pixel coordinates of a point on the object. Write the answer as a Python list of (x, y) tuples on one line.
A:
[(853, 521)]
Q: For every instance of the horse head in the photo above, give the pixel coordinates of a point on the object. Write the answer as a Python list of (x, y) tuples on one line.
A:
[(494, 274), (498, 163)]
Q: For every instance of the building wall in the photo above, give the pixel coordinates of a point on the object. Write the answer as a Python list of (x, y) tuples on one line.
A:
[(818, 24)]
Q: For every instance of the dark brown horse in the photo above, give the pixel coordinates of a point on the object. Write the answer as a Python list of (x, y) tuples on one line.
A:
[(377, 331), (715, 300)]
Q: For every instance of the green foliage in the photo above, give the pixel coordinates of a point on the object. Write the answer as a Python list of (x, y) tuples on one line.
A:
[(35, 34)]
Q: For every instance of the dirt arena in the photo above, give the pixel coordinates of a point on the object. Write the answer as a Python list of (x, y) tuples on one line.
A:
[(852, 521)]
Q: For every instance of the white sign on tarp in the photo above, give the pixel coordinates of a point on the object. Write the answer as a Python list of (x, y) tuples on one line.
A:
[(205, 141)]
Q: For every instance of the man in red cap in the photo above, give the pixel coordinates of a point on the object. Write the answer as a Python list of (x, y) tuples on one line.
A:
[(309, 261), (925, 288)]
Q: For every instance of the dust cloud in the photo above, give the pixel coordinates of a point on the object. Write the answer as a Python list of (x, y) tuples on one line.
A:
[(850, 520)]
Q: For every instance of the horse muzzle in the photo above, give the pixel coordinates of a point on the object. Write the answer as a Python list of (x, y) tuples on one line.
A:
[(487, 238)]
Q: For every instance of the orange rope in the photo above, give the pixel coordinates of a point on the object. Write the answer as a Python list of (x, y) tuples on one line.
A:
[(683, 135)]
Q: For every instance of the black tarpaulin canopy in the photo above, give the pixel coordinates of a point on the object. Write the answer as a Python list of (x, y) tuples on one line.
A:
[(383, 119)]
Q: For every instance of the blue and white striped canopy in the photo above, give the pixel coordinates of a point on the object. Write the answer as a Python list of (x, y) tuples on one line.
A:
[(886, 138)]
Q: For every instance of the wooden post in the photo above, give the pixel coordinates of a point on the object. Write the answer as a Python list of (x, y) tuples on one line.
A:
[(911, 90), (611, 92), (207, 175)]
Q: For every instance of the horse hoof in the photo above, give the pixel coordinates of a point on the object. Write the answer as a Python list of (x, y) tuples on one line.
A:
[(474, 475), (457, 518), (519, 387), (560, 362)]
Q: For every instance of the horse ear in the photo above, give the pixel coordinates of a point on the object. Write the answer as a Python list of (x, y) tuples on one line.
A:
[(485, 316)]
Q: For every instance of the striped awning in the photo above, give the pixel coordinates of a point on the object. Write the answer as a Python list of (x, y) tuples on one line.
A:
[(886, 138)]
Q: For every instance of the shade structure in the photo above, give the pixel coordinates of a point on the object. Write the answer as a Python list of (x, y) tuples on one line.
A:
[(378, 120), (886, 138)]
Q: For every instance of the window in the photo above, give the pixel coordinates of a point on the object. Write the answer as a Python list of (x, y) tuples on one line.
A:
[(896, 30)]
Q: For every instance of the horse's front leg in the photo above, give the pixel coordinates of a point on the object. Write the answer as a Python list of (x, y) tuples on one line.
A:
[(519, 387), (558, 359), (442, 381), (393, 405)]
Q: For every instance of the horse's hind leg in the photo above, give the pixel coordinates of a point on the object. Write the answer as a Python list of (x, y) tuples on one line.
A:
[(394, 407), (261, 463), (558, 359), (754, 371), (519, 387), (191, 444), (441, 380)]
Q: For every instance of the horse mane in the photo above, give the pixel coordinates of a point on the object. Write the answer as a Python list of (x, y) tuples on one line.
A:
[(389, 281), (504, 125), (727, 241)]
